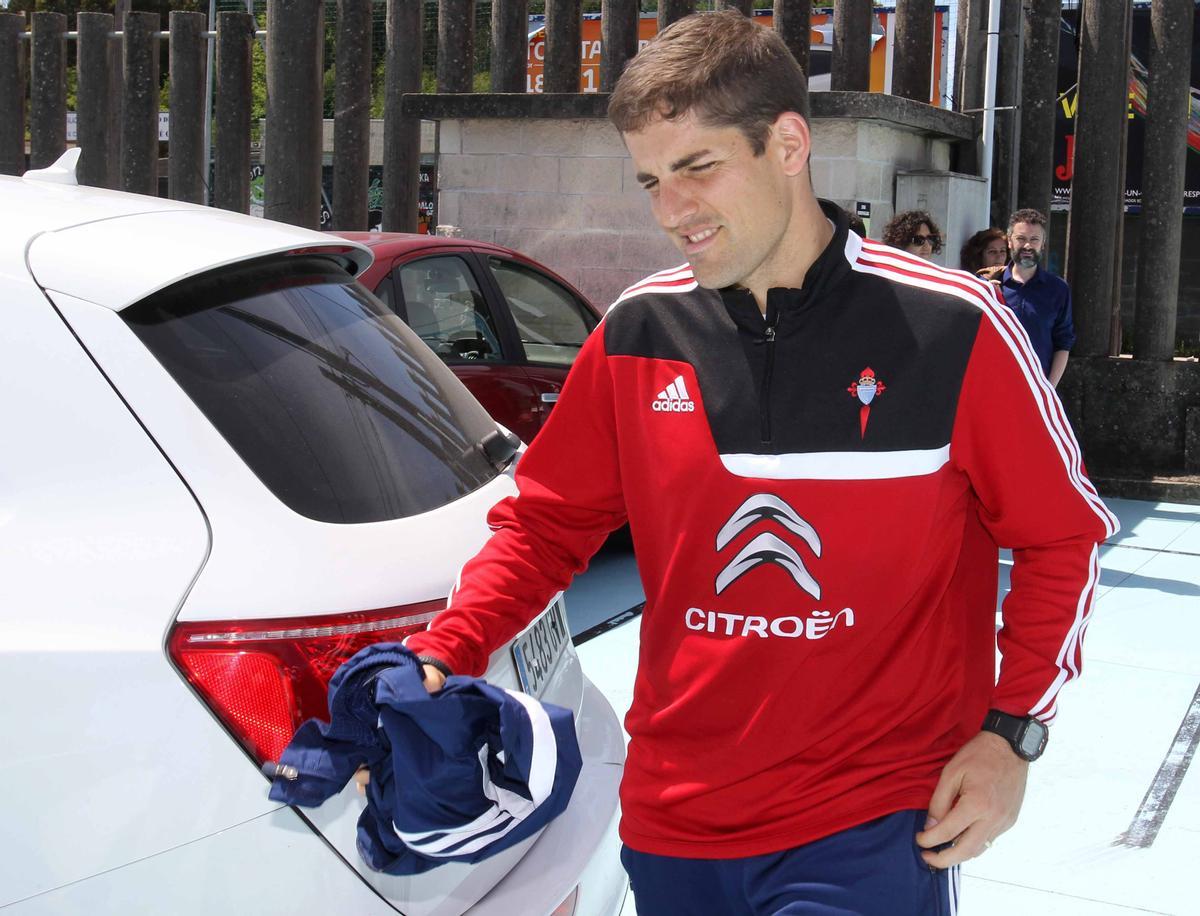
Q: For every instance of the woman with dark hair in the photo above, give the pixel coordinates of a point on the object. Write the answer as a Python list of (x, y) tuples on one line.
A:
[(914, 231), (986, 248)]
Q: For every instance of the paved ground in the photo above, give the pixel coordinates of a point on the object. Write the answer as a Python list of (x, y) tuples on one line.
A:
[(1111, 823)]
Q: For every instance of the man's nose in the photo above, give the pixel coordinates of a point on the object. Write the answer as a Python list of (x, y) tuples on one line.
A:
[(674, 206)]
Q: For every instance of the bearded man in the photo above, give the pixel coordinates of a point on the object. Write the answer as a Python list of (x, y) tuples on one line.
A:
[(1040, 300)]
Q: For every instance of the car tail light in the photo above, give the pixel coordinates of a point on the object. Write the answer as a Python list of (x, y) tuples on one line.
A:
[(263, 678), (567, 907)]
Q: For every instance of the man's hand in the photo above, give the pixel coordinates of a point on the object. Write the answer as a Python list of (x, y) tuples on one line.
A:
[(977, 798), (434, 681)]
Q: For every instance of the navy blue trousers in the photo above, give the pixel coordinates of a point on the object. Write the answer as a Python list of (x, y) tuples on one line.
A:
[(874, 869)]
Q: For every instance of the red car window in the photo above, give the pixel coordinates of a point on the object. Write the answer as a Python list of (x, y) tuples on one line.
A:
[(446, 308), (552, 324)]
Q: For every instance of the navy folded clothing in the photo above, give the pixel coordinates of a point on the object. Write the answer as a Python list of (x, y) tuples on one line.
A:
[(456, 776)]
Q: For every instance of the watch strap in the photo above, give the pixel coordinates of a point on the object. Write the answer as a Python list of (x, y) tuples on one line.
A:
[(1014, 730), (434, 662)]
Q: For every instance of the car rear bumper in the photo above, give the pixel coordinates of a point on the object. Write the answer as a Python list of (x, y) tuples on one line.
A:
[(585, 832)]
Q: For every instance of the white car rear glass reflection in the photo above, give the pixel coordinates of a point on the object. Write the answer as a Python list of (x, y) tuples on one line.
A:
[(327, 396)]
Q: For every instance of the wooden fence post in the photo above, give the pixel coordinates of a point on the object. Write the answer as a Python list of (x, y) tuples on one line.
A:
[(48, 90), (793, 22), (292, 170), (1163, 177), (139, 110), (1098, 188), (510, 44), (456, 45), (12, 94), (187, 167), (94, 117), (401, 134), (352, 115), (850, 69), (672, 10), (564, 33), (231, 111), (913, 57), (618, 39)]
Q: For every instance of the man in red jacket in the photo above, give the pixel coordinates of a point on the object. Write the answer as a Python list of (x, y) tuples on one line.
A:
[(811, 436)]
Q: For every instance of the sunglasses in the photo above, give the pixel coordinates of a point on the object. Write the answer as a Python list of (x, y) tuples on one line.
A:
[(923, 240)]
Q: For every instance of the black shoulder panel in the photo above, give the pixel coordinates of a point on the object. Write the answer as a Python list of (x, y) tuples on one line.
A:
[(915, 342)]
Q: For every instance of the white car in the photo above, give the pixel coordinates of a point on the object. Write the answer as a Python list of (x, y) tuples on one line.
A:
[(225, 467)]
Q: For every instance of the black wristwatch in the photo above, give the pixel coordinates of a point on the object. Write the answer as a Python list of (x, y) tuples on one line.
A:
[(435, 662), (1027, 736)]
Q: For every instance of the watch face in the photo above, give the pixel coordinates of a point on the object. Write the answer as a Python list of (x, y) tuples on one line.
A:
[(1032, 740)]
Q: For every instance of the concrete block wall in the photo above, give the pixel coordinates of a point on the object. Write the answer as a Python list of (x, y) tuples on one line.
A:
[(563, 190)]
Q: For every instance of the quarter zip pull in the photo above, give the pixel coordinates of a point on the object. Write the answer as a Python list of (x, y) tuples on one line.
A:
[(764, 394)]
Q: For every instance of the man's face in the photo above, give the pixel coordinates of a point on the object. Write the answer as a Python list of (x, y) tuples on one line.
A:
[(725, 209), (996, 253), (1025, 241)]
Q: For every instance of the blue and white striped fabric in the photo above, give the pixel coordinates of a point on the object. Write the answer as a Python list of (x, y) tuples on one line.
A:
[(456, 776)]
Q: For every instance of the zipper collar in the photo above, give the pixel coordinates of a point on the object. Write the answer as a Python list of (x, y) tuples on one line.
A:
[(830, 267)]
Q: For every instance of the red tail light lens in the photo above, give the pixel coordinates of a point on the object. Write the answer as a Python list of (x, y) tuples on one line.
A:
[(263, 678)]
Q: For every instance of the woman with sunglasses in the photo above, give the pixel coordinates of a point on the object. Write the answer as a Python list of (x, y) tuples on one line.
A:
[(914, 231)]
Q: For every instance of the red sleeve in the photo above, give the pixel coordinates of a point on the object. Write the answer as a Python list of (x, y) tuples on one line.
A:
[(1013, 441), (569, 499)]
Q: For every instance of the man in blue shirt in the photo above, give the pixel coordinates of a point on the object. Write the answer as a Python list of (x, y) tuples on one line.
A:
[(1040, 300)]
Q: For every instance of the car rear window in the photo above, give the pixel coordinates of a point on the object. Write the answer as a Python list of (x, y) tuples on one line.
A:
[(328, 397)]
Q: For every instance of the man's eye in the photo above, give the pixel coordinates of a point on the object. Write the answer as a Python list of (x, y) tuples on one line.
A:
[(649, 185), (702, 167)]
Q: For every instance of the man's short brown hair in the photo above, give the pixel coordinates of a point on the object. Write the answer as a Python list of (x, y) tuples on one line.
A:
[(1028, 215), (722, 68)]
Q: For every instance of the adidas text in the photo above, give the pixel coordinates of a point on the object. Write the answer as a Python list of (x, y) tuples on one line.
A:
[(669, 406)]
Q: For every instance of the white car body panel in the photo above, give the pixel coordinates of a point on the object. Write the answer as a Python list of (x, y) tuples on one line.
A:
[(325, 568), (247, 869), (101, 541), (124, 510)]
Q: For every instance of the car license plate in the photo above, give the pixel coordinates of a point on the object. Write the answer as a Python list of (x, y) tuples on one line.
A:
[(536, 651)]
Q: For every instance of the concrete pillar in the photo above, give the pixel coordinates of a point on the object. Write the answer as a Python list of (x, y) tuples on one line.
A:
[(1163, 172), (1039, 94), (48, 90), (1007, 129), (564, 31), (456, 45), (231, 111), (671, 10), (913, 57), (745, 7), (292, 166), (510, 44), (793, 22), (187, 165), (851, 65), (12, 94), (618, 39), (1097, 190), (92, 98), (401, 134), (139, 111), (352, 115)]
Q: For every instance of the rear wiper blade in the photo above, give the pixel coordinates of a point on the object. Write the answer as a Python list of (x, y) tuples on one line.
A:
[(499, 447)]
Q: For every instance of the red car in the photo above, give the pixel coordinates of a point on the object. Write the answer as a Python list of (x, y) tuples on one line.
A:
[(507, 326)]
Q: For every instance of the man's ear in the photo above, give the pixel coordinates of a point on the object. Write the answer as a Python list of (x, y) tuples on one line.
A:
[(791, 133)]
